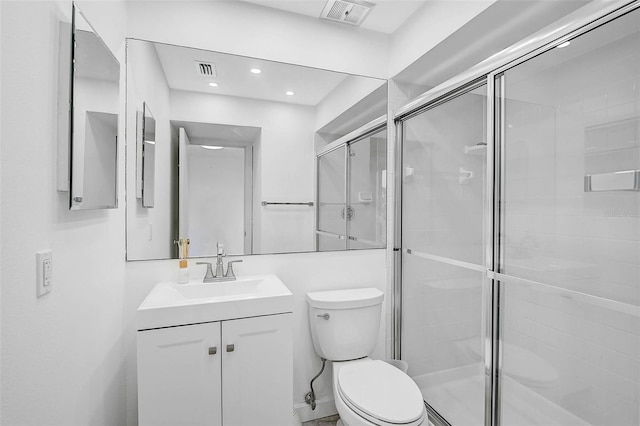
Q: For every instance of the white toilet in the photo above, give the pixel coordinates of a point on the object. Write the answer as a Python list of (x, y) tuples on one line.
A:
[(344, 328)]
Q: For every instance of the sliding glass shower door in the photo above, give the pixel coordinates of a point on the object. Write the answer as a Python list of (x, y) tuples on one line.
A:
[(367, 207), (520, 289), (570, 226), (352, 203), (443, 260)]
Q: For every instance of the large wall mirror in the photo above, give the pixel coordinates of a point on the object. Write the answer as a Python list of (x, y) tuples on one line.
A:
[(95, 77), (235, 148)]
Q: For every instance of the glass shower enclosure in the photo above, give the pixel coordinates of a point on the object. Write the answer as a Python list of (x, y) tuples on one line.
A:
[(351, 201), (520, 234)]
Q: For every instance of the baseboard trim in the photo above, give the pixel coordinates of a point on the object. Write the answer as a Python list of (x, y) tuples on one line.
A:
[(325, 407)]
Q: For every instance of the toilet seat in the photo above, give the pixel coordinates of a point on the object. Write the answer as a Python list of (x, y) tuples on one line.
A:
[(381, 394)]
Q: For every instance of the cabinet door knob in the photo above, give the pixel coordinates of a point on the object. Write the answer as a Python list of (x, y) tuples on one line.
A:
[(230, 348), (213, 350)]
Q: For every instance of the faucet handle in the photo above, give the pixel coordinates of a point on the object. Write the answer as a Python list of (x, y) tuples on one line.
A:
[(209, 273), (230, 273)]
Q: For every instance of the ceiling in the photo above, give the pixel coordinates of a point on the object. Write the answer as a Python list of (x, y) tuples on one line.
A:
[(93, 59), (310, 85), (386, 17)]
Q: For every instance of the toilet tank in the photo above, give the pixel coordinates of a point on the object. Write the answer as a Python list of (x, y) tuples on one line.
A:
[(345, 323)]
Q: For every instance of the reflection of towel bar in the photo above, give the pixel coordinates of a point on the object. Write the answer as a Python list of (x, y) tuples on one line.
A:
[(271, 203), (628, 180)]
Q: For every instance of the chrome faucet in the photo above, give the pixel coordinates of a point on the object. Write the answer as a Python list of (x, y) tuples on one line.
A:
[(219, 276), (219, 264)]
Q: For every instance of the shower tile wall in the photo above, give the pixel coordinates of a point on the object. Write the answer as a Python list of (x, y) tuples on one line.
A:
[(570, 113)]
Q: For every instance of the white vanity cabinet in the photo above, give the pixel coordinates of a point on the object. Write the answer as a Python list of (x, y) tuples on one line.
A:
[(234, 373)]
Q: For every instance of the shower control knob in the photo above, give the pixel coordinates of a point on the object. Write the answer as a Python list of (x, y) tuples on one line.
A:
[(324, 316)]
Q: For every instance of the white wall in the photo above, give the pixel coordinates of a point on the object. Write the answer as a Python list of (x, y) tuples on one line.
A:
[(286, 150), (62, 354), (428, 26), (246, 29), (349, 92), (149, 230)]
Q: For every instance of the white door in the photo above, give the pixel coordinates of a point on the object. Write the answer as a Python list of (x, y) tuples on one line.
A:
[(179, 372), (216, 199), (257, 379), (183, 185)]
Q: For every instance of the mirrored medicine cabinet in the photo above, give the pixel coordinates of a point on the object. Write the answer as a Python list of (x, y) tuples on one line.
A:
[(234, 155), (93, 119)]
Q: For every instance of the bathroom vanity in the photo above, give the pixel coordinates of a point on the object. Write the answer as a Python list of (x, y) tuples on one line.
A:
[(216, 354)]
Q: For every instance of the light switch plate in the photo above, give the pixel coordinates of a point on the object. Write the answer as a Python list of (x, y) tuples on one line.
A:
[(44, 271)]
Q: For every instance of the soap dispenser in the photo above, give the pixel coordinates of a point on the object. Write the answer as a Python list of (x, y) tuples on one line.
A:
[(183, 272), (183, 263)]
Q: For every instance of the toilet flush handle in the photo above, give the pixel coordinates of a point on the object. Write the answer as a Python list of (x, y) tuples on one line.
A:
[(325, 316)]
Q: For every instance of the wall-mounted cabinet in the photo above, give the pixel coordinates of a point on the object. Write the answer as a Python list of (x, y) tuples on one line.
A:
[(235, 372)]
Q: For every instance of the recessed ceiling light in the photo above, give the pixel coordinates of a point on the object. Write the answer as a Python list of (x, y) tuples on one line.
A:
[(211, 147), (213, 84), (290, 93), (565, 44), (256, 70)]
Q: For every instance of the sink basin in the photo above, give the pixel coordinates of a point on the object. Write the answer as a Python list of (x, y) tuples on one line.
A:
[(234, 289), (170, 304)]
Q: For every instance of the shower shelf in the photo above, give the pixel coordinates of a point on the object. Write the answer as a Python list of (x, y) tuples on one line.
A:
[(480, 148), (628, 180)]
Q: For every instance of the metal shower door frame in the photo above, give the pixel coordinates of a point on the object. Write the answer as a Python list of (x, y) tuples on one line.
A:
[(491, 372), (489, 72)]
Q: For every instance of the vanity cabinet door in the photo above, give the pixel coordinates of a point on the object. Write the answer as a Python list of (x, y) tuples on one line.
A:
[(257, 378), (179, 375)]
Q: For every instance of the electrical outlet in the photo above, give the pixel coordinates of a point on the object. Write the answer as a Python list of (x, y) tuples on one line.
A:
[(44, 271)]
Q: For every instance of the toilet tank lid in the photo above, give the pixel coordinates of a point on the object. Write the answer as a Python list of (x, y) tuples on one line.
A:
[(345, 299)]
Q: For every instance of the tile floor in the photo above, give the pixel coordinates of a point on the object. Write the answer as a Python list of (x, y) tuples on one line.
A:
[(325, 421), (328, 421)]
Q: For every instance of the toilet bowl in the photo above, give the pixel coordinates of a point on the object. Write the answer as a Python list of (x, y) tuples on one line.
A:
[(344, 328), (372, 392)]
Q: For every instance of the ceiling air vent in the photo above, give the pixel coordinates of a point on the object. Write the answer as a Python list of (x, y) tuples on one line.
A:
[(205, 69), (350, 12)]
